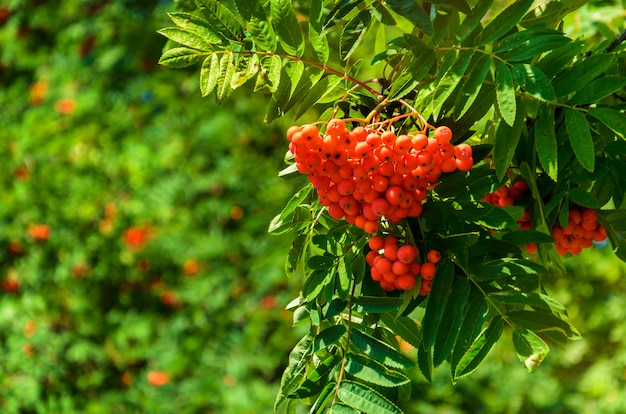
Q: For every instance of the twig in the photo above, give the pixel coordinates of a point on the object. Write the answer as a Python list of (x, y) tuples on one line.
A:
[(616, 42)]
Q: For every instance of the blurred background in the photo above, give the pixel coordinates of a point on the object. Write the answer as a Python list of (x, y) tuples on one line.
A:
[(137, 275)]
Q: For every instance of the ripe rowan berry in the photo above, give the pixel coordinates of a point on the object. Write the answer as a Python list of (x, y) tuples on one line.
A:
[(463, 151), (405, 282), (406, 254), (443, 134), (433, 256), (427, 271)]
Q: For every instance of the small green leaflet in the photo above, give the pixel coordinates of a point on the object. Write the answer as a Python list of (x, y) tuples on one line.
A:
[(611, 118), (450, 80), (545, 141), (179, 57), (582, 73), (411, 76), (539, 321), (262, 34), (505, 94), (287, 27), (405, 327), (318, 43), (533, 81), (353, 33), (507, 138), (473, 318), (412, 11), (328, 337), (480, 348), (298, 360), (366, 399), (472, 21), (442, 285), (375, 304), (598, 89), (532, 299), (196, 25), (503, 22), (372, 371), (279, 221), (221, 19), (531, 349), (471, 87), (227, 70), (451, 320), (580, 138), (380, 351), (186, 38)]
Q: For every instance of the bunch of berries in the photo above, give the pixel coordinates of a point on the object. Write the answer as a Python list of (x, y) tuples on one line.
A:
[(365, 175), (396, 266), (507, 195)]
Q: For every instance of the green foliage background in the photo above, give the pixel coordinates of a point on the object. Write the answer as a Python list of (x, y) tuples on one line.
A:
[(142, 137)]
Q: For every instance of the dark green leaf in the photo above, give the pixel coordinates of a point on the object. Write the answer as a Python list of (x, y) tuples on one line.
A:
[(460, 241), (262, 33), (279, 99), (353, 33), (186, 38), (505, 93), (366, 399), (583, 198), (412, 11), (533, 81), (319, 43), (451, 320), (369, 370), (507, 139), (298, 360), (221, 19), (179, 57), (375, 304), (340, 408), (312, 97), (582, 73), (531, 349), (527, 236), (287, 27), (530, 43), (479, 349), (536, 300), (551, 14), (505, 267), (404, 327), (425, 362), (613, 119), (541, 322), (473, 319), (503, 22), (560, 58), (297, 199), (471, 86), (472, 21), (314, 284), (449, 80), (320, 262), (598, 89), (328, 337), (580, 138), (411, 76), (460, 5), (545, 141), (442, 285), (325, 395), (380, 351), (316, 379)]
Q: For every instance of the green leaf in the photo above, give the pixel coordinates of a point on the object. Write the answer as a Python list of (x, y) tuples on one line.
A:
[(412, 11), (221, 19), (471, 86), (533, 81), (404, 327), (297, 199), (560, 58), (376, 304), (505, 267), (314, 284), (460, 5), (480, 348), (340, 408), (452, 318), (536, 300), (538, 321), (279, 99), (551, 14), (530, 43), (369, 370), (503, 22), (531, 349), (527, 236), (583, 198), (273, 73), (314, 95), (316, 378), (298, 360), (328, 337), (475, 314), (507, 138), (472, 21), (318, 42), (442, 285), (380, 351), (320, 262), (196, 25), (460, 241), (323, 398), (365, 399), (353, 33), (613, 119), (186, 38), (597, 89), (249, 67), (545, 141), (450, 80), (582, 73), (262, 34), (505, 94), (412, 74), (227, 70), (580, 138), (425, 362), (179, 57), (209, 74), (287, 27)]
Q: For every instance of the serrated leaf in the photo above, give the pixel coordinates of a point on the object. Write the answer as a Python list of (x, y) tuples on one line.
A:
[(318, 42), (582, 73), (209, 74), (451, 320), (227, 70), (527, 236), (597, 89), (503, 22), (380, 351), (404, 327), (249, 68), (412, 11), (287, 27), (442, 285), (535, 300), (471, 86), (328, 337), (551, 13), (325, 395), (366, 399), (583, 198), (320, 262), (425, 362), (297, 199), (533, 81), (505, 94), (316, 378), (340, 408), (196, 25), (353, 33), (473, 319), (314, 284), (221, 19), (314, 95), (450, 80), (537, 321), (479, 350), (560, 58), (507, 138), (531, 42), (279, 99), (613, 119), (369, 370), (411, 76), (531, 349), (580, 138), (376, 304), (262, 33), (186, 38), (472, 21), (273, 73), (179, 57), (506, 267), (545, 141), (298, 360)]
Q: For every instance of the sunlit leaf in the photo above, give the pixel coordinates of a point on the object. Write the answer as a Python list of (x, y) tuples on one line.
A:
[(505, 94), (412, 11), (287, 27), (479, 349), (179, 57), (328, 337), (369, 370), (442, 286), (318, 42), (221, 19), (353, 33), (472, 21), (404, 327), (582, 73), (471, 86), (538, 321), (365, 399), (612, 118), (298, 360), (503, 22), (535, 300), (533, 81), (186, 38), (545, 141), (380, 351), (507, 138), (580, 138), (598, 89), (450, 80), (531, 349), (196, 25)]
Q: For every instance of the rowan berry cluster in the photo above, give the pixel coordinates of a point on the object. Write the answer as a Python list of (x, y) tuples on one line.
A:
[(396, 266), (366, 174), (582, 228)]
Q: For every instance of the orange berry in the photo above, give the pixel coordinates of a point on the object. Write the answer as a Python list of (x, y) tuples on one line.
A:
[(427, 271), (292, 130), (589, 216), (531, 248), (575, 216), (419, 142), (370, 256), (375, 274), (433, 256), (399, 268), (402, 145), (463, 152), (336, 211), (506, 201), (406, 253), (388, 138), (391, 252), (405, 282), (414, 267), (394, 195), (443, 134), (375, 243), (382, 264), (371, 227), (335, 127)]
